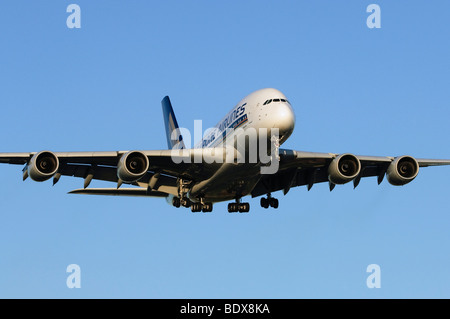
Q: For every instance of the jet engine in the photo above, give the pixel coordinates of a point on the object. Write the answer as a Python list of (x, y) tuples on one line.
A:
[(43, 166), (402, 170), (343, 169), (132, 166)]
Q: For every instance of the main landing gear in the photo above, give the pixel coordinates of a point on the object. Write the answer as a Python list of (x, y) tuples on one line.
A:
[(238, 207), (177, 202), (199, 207), (269, 201)]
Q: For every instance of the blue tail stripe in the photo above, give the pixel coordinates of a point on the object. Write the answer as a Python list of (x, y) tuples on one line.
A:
[(170, 122)]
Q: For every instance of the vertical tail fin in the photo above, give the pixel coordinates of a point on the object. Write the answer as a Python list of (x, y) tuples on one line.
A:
[(171, 124)]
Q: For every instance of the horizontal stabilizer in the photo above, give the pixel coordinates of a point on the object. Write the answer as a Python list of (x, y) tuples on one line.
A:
[(140, 192)]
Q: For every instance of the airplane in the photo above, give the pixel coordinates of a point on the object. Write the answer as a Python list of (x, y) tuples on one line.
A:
[(175, 175)]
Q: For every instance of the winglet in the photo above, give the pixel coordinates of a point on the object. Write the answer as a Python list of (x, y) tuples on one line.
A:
[(171, 124)]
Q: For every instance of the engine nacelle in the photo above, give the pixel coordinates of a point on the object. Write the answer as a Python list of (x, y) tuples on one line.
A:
[(343, 169), (132, 166), (402, 170), (43, 166)]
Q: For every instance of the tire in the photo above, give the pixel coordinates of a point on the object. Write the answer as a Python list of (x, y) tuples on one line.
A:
[(274, 203), (244, 207), (196, 207), (185, 203), (176, 202), (264, 202), (207, 208)]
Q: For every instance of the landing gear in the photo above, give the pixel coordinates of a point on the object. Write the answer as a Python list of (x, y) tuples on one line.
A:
[(232, 207), (185, 202), (269, 201), (207, 208), (199, 207), (238, 207), (176, 202), (264, 202), (196, 207), (183, 188)]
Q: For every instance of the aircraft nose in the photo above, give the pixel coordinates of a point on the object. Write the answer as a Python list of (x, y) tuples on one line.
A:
[(284, 119)]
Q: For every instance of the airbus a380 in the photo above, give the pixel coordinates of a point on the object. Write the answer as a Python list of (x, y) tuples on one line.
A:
[(200, 184)]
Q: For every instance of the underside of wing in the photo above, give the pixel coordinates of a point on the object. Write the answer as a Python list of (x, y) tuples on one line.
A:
[(307, 168), (137, 192), (167, 165), (432, 162)]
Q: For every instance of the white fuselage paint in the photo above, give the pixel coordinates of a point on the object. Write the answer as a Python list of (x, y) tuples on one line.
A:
[(251, 112), (237, 180)]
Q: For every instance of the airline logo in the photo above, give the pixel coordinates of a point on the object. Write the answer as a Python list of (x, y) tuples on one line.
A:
[(234, 120), (233, 115)]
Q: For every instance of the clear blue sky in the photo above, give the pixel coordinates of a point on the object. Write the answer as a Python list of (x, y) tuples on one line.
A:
[(354, 89)]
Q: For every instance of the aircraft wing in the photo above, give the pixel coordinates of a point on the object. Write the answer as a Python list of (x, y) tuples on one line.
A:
[(169, 165), (298, 168), (137, 192), (182, 165)]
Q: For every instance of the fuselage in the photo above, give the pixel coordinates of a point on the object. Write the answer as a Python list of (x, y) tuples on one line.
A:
[(260, 111)]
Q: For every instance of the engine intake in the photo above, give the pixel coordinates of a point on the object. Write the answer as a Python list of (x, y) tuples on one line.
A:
[(402, 170), (43, 166), (132, 166), (343, 169)]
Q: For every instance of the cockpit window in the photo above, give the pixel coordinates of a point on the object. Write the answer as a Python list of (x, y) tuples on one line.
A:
[(276, 100)]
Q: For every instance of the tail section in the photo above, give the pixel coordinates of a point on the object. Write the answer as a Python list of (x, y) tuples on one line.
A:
[(171, 124)]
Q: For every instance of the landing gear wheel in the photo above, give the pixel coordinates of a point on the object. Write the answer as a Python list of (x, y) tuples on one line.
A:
[(232, 207), (196, 207), (185, 202), (273, 202), (207, 207), (264, 202), (244, 208), (176, 202)]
